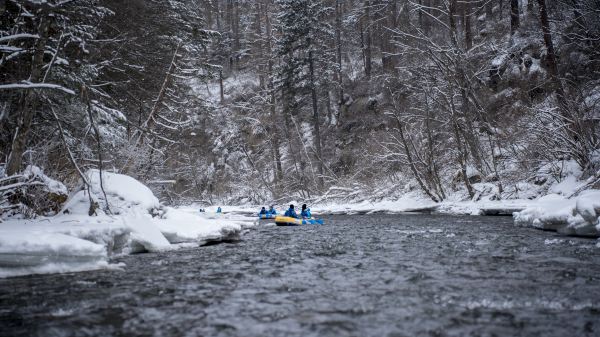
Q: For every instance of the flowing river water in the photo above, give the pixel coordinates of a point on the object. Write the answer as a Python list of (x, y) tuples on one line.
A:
[(372, 275)]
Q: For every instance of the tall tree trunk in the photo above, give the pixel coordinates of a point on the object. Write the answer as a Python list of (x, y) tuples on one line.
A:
[(421, 18), (489, 12), (367, 47), (550, 54), (468, 26), (208, 8), (338, 42), (288, 99), (462, 159), (29, 102), (276, 133), (258, 48), (218, 15), (514, 16), (452, 22), (221, 88), (387, 58), (432, 166), (313, 89), (236, 33)]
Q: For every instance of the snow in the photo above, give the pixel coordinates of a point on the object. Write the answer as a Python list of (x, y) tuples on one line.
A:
[(572, 216), (410, 202), (124, 194), (30, 85), (37, 251), (566, 187), (51, 184), (137, 222), (477, 207), (75, 241), (407, 203), (18, 36), (56, 243), (145, 234), (188, 224)]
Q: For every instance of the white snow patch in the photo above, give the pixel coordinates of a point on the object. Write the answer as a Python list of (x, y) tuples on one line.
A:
[(124, 194), (574, 216), (74, 241)]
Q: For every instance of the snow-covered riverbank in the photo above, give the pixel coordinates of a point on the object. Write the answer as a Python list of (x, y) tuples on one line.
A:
[(73, 242), (578, 215), (137, 222)]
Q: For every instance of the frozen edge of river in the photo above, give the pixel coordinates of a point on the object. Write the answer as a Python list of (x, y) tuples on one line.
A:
[(578, 216), (75, 242)]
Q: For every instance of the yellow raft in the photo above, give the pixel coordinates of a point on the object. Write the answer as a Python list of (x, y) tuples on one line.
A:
[(289, 221)]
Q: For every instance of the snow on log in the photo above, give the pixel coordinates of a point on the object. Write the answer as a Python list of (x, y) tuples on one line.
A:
[(19, 36), (29, 85)]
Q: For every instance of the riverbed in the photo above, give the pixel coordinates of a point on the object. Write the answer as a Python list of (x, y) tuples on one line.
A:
[(368, 275)]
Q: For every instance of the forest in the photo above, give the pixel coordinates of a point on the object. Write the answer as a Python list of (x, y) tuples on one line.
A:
[(254, 101)]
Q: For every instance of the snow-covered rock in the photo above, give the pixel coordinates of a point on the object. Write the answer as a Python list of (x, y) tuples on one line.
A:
[(123, 193)]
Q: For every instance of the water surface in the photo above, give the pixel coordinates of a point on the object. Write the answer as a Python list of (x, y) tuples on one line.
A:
[(372, 275)]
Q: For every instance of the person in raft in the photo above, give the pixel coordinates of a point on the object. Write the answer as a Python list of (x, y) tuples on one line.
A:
[(262, 211), (219, 209), (291, 212), (305, 214), (272, 210)]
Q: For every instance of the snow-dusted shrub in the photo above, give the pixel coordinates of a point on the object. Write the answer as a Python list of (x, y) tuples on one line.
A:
[(31, 193)]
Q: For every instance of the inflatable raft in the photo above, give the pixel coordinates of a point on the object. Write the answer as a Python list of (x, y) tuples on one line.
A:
[(267, 216), (289, 221)]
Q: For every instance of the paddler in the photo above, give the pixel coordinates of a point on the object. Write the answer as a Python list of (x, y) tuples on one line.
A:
[(291, 212), (305, 214)]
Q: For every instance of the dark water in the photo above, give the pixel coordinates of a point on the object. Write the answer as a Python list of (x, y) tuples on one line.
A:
[(379, 275)]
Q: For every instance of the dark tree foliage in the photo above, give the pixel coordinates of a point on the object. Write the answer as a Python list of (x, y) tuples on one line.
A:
[(260, 100)]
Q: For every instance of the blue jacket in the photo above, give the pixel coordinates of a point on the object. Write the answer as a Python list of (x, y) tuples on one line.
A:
[(263, 211), (291, 213), (272, 211), (306, 213)]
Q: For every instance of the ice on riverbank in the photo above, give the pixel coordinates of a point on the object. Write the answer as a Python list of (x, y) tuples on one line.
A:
[(187, 224), (406, 204), (136, 222), (572, 216)]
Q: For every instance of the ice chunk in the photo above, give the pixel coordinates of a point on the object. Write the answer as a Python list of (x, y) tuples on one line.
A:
[(574, 216), (145, 236)]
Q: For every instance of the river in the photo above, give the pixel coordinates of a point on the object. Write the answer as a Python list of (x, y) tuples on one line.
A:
[(359, 275)]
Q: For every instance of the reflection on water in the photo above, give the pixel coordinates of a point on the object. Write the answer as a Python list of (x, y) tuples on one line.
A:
[(375, 275)]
